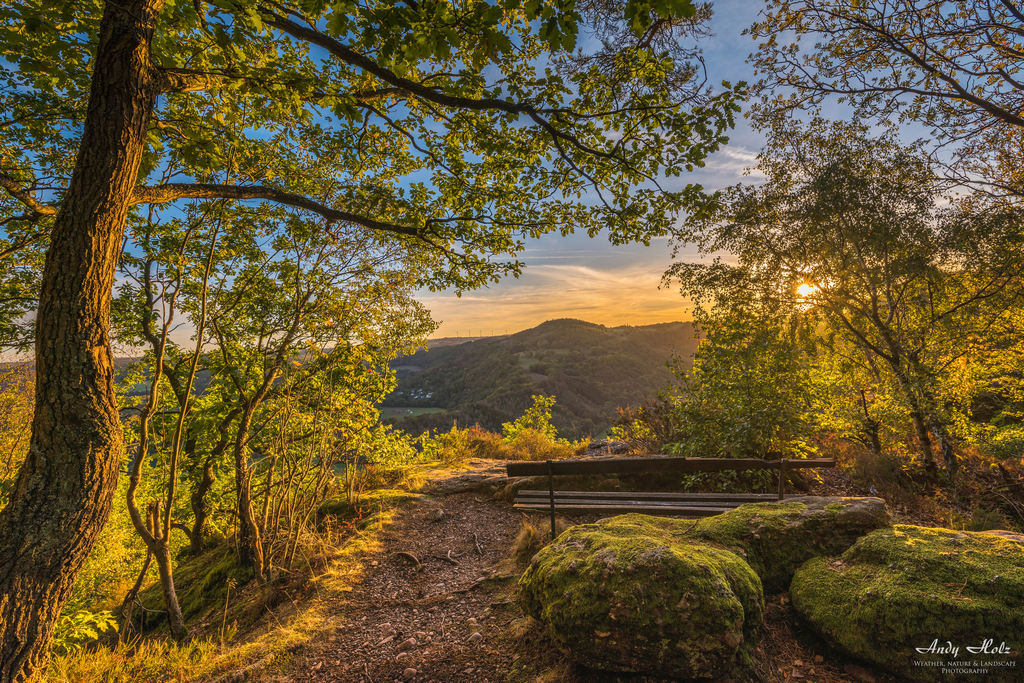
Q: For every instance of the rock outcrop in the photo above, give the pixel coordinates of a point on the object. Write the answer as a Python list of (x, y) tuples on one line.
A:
[(903, 598), (670, 597), (776, 538), (635, 595)]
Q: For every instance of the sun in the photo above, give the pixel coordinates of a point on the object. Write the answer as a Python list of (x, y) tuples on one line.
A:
[(805, 290)]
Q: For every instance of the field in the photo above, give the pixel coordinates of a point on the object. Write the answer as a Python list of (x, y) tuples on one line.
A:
[(401, 411)]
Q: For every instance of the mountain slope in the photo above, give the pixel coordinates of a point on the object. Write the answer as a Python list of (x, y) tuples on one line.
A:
[(591, 369)]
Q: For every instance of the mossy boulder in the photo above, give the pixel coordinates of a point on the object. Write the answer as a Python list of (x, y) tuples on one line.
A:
[(634, 594), (776, 538), (902, 590)]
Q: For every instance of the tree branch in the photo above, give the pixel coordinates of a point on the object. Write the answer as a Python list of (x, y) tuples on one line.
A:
[(24, 196), (353, 58), (186, 80), (161, 194)]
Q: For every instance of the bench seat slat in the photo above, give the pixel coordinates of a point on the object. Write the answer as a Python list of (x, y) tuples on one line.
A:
[(643, 495), (620, 508), (561, 502)]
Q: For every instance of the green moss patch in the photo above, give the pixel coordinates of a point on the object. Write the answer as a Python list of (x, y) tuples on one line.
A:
[(776, 538), (632, 595), (201, 584), (902, 589)]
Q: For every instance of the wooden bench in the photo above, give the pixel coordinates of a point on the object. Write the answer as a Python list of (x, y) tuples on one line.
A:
[(619, 502)]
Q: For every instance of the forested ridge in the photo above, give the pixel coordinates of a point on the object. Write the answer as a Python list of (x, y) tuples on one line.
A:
[(590, 369)]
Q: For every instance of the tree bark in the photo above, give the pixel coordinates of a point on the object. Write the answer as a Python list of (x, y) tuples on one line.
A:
[(63, 493), (870, 427), (924, 441), (200, 508), (162, 554), (946, 448), (917, 415)]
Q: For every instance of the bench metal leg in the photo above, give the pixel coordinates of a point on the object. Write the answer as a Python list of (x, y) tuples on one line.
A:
[(551, 498), (782, 479)]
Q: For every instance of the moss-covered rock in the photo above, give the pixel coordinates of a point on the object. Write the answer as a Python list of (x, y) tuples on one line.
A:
[(776, 538), (897, 591), (635, 595), (674, 597)]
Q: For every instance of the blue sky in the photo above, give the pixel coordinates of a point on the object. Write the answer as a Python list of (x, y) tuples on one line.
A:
[(590, 279)]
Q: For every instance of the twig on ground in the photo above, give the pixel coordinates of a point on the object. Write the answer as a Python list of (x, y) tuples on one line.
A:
[(411, 558), (447, 558), (688, 529), (470, 586), (476, 539)]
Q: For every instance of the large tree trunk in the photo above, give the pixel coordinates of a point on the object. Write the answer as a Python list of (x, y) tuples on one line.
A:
[(924, 441), (162, 554), (200, 508), (917, 415), (870, 427), (63, 493)]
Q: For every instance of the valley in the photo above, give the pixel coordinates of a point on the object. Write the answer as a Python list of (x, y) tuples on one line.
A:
[(590, 369)]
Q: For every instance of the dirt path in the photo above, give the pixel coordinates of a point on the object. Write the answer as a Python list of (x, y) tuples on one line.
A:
[(434, 605), (435, 621)]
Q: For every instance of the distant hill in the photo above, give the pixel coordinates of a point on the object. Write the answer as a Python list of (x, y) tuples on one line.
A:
[(590, 368)]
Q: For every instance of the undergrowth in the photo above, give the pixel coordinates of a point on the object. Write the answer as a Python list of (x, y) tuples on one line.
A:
[(273, 620), (987, 493)]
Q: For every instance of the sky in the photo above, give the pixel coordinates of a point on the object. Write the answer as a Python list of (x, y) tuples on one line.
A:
[(590, 279)]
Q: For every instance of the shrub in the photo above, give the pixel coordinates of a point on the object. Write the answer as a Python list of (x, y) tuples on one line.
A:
[(537, 418), (81, 627), (531, 444), (648, 428), (530, 437)]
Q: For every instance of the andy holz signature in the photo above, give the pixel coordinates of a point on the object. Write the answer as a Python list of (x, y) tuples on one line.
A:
[(986, 648)]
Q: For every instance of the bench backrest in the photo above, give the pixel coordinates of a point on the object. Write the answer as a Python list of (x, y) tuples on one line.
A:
[(663, 463)]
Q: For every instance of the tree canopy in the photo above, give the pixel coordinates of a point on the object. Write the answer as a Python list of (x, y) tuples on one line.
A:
[(848, 229), (456, 130), (953, 66)]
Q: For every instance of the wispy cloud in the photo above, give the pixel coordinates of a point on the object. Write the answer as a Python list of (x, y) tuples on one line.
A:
[(628, 293)]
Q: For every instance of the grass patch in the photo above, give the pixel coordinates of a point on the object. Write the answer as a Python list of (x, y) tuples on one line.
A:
[(533, 535), (366, 506), (148, 660), (401, 411)]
